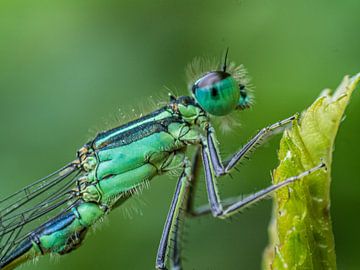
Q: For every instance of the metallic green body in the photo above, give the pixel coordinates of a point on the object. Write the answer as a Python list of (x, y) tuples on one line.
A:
[(114, 166), (117, 163)]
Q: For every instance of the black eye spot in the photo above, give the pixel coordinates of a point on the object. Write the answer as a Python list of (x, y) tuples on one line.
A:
[(242, 91), (214, 92)]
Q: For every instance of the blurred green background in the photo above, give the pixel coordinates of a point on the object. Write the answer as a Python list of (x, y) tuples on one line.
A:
[(67, 67)]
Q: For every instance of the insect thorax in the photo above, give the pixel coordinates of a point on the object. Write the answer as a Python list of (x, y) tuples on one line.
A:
[(120, 161)]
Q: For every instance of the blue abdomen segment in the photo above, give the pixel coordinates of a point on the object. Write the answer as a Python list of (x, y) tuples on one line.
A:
[(60, 235)]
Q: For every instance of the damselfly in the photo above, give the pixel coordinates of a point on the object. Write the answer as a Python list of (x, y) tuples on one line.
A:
[(117, 163)]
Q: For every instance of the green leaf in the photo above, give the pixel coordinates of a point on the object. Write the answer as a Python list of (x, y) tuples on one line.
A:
[(300, 231)]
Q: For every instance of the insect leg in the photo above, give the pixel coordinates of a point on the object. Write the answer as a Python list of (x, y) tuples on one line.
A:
[(171, 231), (216, 206), (203, 210), (191, 189), (189, 197), (221, 168), (191, 210)]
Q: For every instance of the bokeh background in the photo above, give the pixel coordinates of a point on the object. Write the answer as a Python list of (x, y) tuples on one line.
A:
[(68, 67)]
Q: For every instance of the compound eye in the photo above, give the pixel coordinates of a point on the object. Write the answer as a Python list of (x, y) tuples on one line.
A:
[(217, 93), (210, 79)]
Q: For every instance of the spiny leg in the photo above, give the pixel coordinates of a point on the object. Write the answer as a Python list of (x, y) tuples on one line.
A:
[(195, 169), (221, 168), (202, 210), (191, 210), (184, 196), (218, 166), (217, 207), (171, 232), (232, 205), (175, 255)]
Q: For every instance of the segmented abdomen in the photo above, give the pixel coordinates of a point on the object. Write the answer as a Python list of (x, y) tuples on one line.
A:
[(60, 235)]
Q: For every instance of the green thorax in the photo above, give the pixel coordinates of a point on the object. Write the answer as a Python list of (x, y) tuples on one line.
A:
[(121, 160)]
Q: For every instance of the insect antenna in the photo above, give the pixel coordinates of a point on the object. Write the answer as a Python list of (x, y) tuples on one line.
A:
[(225, 60)]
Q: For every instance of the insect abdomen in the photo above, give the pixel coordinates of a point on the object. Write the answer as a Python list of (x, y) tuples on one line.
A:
[(60, 235)]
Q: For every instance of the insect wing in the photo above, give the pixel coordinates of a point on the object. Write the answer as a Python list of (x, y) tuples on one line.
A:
[(22, 212)]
